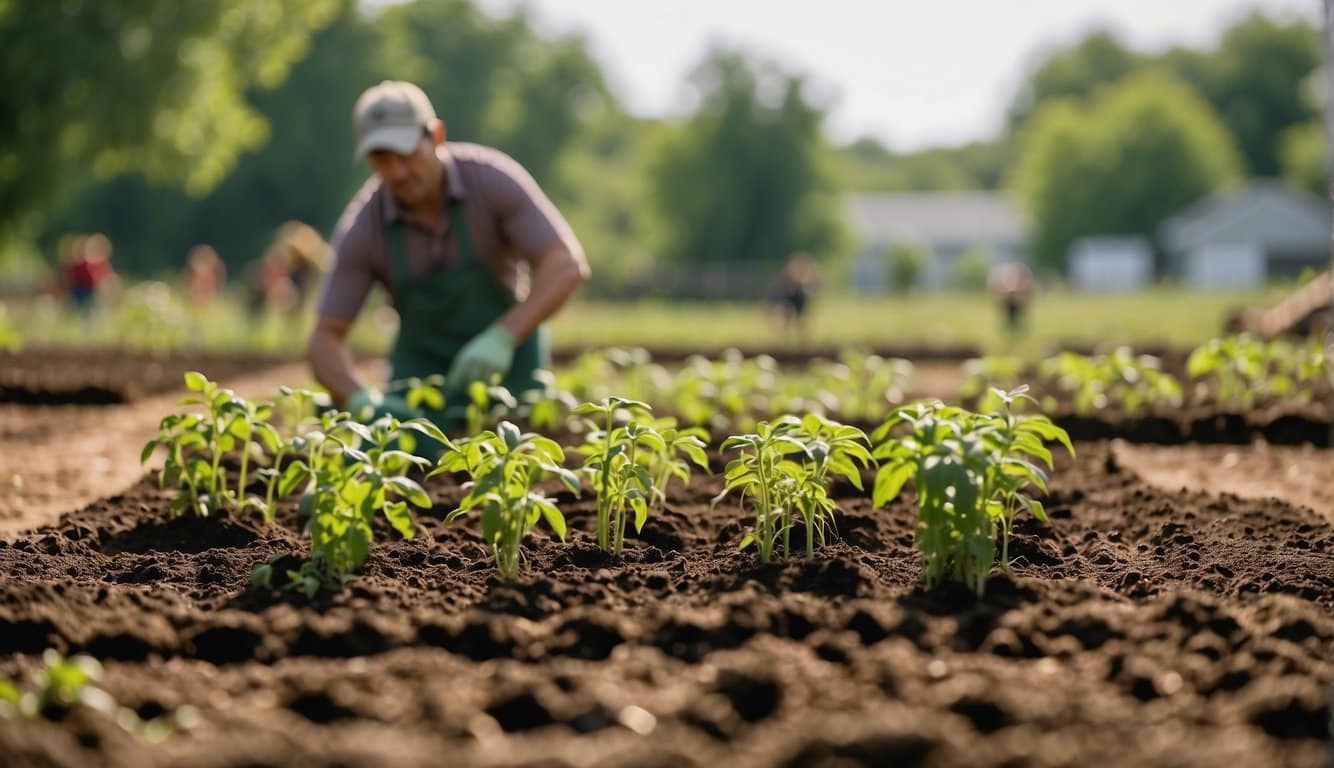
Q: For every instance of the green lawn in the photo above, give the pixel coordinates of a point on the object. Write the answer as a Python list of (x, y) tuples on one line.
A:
[(1160, 316)]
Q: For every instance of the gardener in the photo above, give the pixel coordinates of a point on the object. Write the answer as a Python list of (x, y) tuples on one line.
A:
[(472, 253)]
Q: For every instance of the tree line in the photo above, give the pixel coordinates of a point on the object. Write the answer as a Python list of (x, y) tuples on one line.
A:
[(166, 125)]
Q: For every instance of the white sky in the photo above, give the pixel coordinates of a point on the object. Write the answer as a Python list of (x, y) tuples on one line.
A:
[(912, 73)]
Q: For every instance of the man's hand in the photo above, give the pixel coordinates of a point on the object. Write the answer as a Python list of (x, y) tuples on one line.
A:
[(489, 353), (369, 403)]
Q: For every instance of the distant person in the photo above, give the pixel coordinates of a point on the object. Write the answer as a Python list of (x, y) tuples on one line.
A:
[(792, 295), (205, 275), (268, 283), (1012, 284), (87, 270), (308, 257)]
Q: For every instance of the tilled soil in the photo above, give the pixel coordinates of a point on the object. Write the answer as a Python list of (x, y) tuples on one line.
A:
[(59, 376), (1143, 627)]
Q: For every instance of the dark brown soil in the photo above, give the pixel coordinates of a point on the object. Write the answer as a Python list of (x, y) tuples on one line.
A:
[(1141, 628), (109, 376)]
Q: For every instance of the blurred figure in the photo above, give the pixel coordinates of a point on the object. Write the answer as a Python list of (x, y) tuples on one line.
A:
[(86, 270), (205, 275), (1012, 283), (797, 283), (268, 283), (307, 257)]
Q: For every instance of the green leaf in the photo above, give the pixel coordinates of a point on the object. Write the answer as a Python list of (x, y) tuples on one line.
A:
[(400, 517), (746, 541), (889, 480), (195, 381), (640, 506), (410, 490), (493, 523), (555, 520)]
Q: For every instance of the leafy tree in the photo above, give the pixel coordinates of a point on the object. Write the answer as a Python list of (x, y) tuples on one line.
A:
[(1256, 85), (306, 170), (156, 87), (907, 262), (1254, 78), (1140, 151), (746, 178), (866, 165), (1098, 59), (1303, 157)]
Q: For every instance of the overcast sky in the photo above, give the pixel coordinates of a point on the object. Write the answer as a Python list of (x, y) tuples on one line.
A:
[(912, 73)]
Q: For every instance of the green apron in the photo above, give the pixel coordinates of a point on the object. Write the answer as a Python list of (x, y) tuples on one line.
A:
[(442, 311)]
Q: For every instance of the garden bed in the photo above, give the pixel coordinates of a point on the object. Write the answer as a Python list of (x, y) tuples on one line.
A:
[(1142, 627), (59, 376)]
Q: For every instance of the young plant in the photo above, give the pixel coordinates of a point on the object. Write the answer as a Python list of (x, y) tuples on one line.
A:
[(1121, 379), (1244, 370), (616, 466), (547, 407), (681, 448), (504, 466), (348, 482), (831, 449), (486, 405), (765, 475), (197, 443), (66, 684), (971, 473)]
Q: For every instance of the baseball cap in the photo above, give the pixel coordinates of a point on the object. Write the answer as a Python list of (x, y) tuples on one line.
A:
[(391, 116)]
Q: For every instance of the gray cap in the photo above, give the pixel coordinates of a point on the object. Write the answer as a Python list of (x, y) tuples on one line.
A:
[(391, 116)]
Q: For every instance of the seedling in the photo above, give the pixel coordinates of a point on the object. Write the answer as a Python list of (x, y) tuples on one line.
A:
[(766, 476), (1244, 370), (864, 384), (1121, 379), (971, 473), (984, 374), (196, 444), (548, 407), (831, 449), (486, 405), (66, 684), (681, 448), (616, 462), (346, 487), (504, 467)]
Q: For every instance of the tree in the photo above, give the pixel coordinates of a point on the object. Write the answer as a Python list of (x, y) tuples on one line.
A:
[(155, 87), (746, 178), (305, 170), (1140, 151), (1257, 84), (1098, 59), (866, 165), (1303, 158), (907, 261), (1255, 78)]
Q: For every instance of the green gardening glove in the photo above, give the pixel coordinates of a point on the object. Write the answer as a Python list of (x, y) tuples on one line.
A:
[(489, 353), (368, 404)]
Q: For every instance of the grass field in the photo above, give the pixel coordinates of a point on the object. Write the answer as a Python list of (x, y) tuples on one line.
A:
[(1161, 316)]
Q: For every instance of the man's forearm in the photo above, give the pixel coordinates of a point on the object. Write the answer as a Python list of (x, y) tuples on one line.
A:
[(332, 365), (557, 276)]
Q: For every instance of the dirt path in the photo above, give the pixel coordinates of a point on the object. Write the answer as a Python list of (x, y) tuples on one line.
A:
[(55, 459), (1295, 474)]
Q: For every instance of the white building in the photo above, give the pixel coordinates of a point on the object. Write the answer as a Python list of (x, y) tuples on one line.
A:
[(1244, 237), (1110, 264), (947, 225)]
